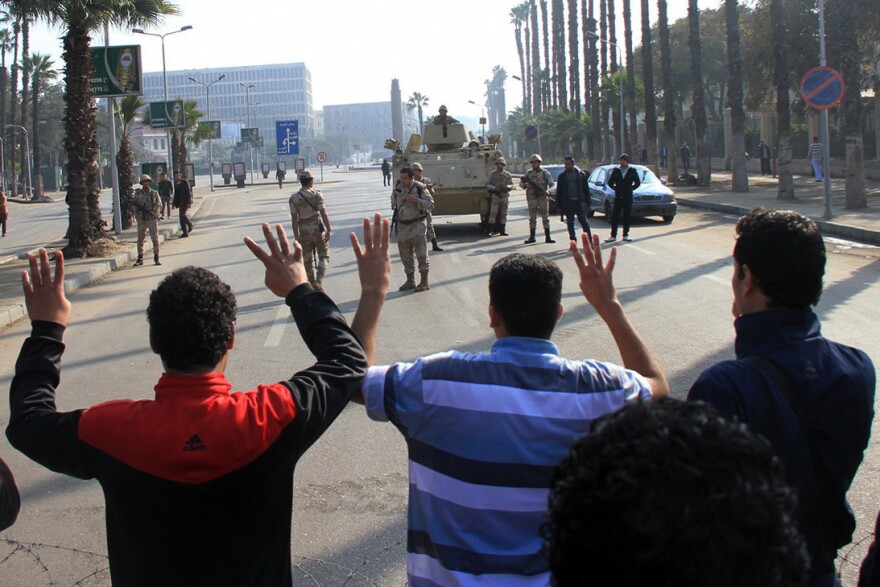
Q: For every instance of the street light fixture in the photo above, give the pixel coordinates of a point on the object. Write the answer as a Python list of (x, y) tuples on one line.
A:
[(211, 137), (260, 149), (482, 118), (27, 149), (595, 37), (164, 78), (247, 103)]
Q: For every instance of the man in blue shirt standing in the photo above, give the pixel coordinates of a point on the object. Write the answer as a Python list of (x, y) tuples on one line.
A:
[(812, 398), (485, 431)]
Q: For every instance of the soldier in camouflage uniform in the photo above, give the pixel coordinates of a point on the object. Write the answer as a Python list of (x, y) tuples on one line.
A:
[(538, 199), (147, 209), (412, 199), (417, 175), (311, 227), (500, 185)]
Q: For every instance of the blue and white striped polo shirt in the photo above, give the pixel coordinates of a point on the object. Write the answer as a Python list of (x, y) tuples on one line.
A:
[(484, 433)]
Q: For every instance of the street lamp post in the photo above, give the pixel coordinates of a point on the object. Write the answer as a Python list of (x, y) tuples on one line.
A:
[(595, 37), (30, 187), (260, 150), (482, 118), (210, 138), (247, 103), (826, 148), (164, 79)]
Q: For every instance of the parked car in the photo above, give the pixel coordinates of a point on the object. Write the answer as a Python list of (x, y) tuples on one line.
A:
[(555, 171), (652, 198)]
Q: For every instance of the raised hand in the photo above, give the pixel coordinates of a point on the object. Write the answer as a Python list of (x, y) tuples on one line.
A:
[(284, 268), (43, 293), (596, 283), (373, 260)]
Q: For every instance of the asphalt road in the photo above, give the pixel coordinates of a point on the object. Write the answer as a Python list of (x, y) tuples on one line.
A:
[(351, 488)]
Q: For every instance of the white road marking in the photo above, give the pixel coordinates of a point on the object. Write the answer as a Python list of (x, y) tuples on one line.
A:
[(278, 326), (642, 250), (729, 217), (717, 279)]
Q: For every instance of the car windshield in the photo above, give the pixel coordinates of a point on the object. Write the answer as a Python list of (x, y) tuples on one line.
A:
[(555, 171), (646, 175)]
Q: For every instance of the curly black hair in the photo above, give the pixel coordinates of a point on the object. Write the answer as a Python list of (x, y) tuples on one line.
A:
[(672, 494), (191, 316), (526, 291), (785, 252)]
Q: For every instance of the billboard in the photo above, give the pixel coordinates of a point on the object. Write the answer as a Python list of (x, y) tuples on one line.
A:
[(117, 71), (210, 128), (287, 137), (250, 135), (167, 114)]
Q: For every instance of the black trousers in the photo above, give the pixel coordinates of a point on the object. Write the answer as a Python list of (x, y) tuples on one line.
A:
[(186, 224), (621, 204), (575, 208)]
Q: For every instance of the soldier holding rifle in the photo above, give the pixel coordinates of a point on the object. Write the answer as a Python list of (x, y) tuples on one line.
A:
[(537, 182)]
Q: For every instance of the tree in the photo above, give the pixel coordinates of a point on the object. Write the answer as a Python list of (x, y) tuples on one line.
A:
[(735, 100), (518, 15), (785, 190), (13, 99), (25, 81), (77, 19), (546, 70), (592, 83), (560, 93), (574, 57), (648, 80), (127, 110), (416, 102), (668, 92), (698, 109), (632, 137), (42, 71), (5, 46), (536, 59)]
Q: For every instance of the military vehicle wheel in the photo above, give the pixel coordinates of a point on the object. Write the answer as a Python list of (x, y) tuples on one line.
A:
[(669, 218)]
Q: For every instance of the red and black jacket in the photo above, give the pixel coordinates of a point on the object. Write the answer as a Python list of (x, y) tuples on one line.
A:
[(198, 482)]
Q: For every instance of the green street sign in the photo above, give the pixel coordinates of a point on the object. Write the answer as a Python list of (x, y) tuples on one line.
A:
[(250, 135), (213, 128), (117, 71), (167, 114)]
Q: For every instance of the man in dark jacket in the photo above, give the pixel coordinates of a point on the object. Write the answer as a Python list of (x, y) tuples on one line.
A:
[(198, 481), (571, 193), (624, 181), (183, 201), (812, 398)]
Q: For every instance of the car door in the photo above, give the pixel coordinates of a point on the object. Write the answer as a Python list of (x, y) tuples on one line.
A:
[(596, 183)]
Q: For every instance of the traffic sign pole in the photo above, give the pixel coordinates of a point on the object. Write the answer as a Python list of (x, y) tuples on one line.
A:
[(321, 157), (826, 136)]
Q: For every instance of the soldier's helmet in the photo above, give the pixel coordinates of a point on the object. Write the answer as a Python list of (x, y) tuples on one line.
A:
[(500, 161), (305, 174), (442, 108), (146, 177), (536, 157), (418, 166)]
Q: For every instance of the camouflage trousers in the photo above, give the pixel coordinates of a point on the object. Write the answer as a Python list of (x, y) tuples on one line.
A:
[(411, 245), (153, 227), (430, 227), (312, 241), (538, 204), (498, 214)]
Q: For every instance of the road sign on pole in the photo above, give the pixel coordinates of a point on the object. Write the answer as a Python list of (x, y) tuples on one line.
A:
[(531, 132), (287, 137), (321, 156), (822, 87)]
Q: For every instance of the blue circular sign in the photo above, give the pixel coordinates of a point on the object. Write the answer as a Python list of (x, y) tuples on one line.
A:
[(822, 87), (531, 131)]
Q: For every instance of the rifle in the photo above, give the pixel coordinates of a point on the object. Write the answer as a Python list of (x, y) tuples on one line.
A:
[(395, 220), (537, 187)]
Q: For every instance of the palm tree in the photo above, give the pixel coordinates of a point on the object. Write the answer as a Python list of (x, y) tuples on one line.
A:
[(545, 38), (783, 114), (735, 100), (573, 52), (518, 14), (592, 84), (698, 109), (417, 102), (25, 81), (78, 18), (190, 133), (560, 84), (602, 48), (668, 91), (5, 46), (42, 71), (613, 64), (630, 94), (536, 59), (127, 110), (648, 80), (13, 98)]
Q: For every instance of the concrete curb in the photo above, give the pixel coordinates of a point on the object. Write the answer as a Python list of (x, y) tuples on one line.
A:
[(862, 235), (92, 272)]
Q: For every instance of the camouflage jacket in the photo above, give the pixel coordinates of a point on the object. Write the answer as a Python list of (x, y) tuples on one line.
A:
[(500, 183), (147, 205), (541, 177)]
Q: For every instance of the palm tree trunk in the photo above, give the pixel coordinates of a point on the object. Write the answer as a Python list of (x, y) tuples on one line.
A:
[(735, 100), (536, 59), (545, 38), (35, 130), (633, 136), (850, 68), (574, 55), (527, 81), (785, 190), (648, 78), (561, 93), (517, 30), (25, 83), (668, 92), (698, 110), (13, 107), (592, 83), (85, 225), (606, 128)]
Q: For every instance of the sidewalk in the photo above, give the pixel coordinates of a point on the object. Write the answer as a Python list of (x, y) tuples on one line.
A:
[(858, 225)]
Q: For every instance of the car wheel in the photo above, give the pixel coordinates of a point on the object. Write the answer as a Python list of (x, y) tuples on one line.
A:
[(669, 218)]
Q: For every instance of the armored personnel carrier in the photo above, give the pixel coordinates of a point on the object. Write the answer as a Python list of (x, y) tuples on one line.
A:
[(457, 164)]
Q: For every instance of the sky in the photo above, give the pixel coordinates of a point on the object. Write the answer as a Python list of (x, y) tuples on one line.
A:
[(444, 49)]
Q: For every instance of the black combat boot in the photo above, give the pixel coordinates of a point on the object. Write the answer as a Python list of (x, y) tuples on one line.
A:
[(156, 260), (547, 238), (503, 230), (435, 246), (140, 261), (531, 238)]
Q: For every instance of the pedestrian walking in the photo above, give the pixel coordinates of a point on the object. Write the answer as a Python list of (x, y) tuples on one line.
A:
[(685, 153), (815, 156), (183, 201), (664, 154), (147, 207), (624, 181), (4, 211), (386, 173), (165, 190), (311, 228), (766, 155), (279, 176)]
